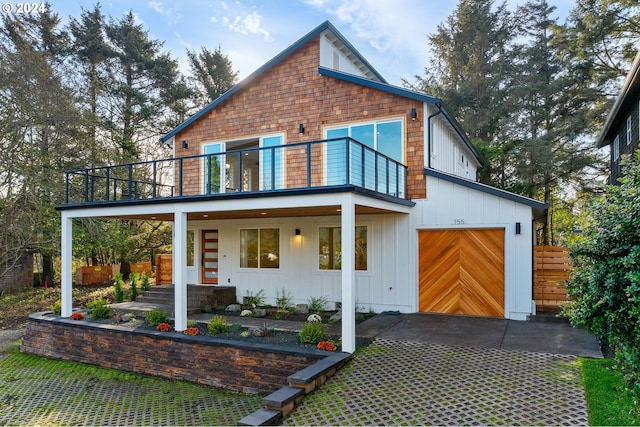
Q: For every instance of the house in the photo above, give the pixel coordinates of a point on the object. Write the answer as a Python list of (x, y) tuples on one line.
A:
[(622, 129), (316, 176)]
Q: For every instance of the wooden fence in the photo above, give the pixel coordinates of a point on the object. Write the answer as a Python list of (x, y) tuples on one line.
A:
[(164, 269), (551, 269), (105, 273)]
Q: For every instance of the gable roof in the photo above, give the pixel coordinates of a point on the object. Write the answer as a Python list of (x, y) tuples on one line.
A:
[(629, 94), (336, 38), (410, 94)]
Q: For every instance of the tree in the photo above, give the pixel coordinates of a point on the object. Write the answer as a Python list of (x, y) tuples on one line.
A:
[(470, 71), (39, 122), (90, 51), (141, 87), (553, 109), (212, 73), (605, 288)]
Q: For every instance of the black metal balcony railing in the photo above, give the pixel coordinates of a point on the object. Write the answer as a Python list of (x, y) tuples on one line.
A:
[(316, 164)]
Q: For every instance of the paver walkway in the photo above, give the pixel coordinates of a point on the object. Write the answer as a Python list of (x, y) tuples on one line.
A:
[(409, 383)]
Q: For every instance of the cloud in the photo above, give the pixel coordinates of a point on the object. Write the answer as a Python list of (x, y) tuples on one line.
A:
[(249, 24), (172, 15)]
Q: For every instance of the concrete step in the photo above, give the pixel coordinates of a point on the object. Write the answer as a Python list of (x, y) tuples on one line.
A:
[(140, 309), (155, 300)]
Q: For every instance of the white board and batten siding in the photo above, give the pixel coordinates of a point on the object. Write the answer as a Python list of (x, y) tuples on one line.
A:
[(447, 153), (384, 286)]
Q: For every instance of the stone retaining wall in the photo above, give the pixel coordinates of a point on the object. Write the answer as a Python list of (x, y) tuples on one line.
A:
[(240, 366)]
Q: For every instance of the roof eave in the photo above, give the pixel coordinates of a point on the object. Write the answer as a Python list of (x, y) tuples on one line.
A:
[(326, 25), (632, 81), (537, 206)]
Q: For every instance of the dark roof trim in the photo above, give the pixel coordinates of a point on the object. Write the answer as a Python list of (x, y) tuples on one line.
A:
[(486, 189), (270, 64), (631, 83), (396, 90), (243, 195)]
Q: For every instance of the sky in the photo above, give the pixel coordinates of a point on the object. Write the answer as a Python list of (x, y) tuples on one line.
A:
[(390, 34)]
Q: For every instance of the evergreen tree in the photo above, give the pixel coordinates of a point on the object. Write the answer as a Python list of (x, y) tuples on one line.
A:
[(212, 73), (470, 71)]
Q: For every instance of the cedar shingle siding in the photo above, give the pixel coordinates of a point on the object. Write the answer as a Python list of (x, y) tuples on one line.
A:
[(291, 93)]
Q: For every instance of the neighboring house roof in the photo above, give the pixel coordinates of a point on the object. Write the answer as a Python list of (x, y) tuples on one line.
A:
[(629, 94), (410, 94), (337, 38), (539, 207)]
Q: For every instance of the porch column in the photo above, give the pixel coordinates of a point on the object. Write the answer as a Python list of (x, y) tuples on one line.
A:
[(348, 274), (67, 256), (180, 269)]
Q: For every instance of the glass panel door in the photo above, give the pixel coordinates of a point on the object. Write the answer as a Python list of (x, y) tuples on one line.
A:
[(271, 163), (210, 257), (214, 168)]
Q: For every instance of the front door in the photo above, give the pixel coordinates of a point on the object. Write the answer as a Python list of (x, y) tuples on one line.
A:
[(210, 256)]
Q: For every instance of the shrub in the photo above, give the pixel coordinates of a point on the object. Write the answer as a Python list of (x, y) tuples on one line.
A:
[(254, 300), (284, 299), (144, 282), (313, 333), (316, 305), (605, 286), (156, 317), (191, 331), (218, 325), (76, 316), (118, 290), (327, 346), (98, 308), (134, 286), (192, 323), (164, 327), (56, 308)]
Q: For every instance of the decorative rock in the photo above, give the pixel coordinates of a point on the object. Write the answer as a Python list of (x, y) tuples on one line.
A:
[(302, 308), (336, 317), (245, 313), (234, 308), (256, 332), (260, 312), (314, 318)]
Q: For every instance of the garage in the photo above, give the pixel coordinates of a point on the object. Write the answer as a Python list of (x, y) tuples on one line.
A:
[(461, 271)]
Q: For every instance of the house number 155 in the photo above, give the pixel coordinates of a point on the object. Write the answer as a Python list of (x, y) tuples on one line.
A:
[(458, 221)]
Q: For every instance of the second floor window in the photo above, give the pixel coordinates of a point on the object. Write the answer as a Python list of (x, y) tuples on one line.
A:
[(384, 136), (616, 147), (629, 130)]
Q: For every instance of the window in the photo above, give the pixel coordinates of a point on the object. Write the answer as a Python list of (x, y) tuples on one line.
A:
[(385, 136), (330, 248), (190, 247), (628, 130), (260, 248), (616, 148)]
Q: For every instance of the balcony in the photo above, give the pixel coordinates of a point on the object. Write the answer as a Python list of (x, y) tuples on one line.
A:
[(327, 164)]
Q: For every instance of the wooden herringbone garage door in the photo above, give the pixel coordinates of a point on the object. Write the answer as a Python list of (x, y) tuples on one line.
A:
[(462, 271)]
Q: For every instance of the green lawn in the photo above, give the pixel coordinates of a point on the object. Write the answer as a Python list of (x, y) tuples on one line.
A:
[(607, 400)]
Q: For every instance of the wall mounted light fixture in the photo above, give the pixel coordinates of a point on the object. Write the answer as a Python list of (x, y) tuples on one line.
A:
[(298, 232), (518, 228), (414, 114), (184, 144), (301, 128)]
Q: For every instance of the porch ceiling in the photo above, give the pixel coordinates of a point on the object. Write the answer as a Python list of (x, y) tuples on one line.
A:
[(300, 211)]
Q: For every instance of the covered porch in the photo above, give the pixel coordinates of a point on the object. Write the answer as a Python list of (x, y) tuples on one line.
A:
[(338, 207)]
